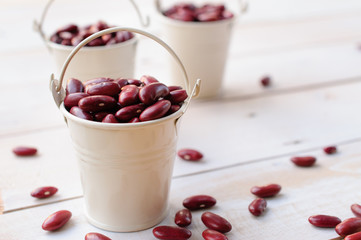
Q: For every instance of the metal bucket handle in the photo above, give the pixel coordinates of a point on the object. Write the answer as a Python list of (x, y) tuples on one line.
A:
[(243, 5), (38, 26), (59, 92)]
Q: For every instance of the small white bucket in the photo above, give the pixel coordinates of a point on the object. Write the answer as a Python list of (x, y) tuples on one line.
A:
[(125, 169), (111, 60), (201, 46)]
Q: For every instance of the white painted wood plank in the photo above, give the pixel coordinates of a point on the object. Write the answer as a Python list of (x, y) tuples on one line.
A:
[(330, 187)]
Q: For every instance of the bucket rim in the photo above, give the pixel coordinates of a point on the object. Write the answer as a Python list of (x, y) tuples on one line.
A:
[(58, 46), (121, 126)]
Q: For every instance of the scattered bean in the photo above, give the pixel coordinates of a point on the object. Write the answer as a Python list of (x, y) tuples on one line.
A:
[(356, 209), (348, 226), (257, 206), (324, 221), (96, 236), (354, 236), (190, 154), (183, 218), (330, 150), (210, 234), (199, 202), (216, 222), (305, 161), (265, 81), (56, 220), (266, 191), (24, 151), (171, 233), (44, 192)]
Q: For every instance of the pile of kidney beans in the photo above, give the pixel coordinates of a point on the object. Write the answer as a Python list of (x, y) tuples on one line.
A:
[(188, 12), (72, 35), (122, 100)]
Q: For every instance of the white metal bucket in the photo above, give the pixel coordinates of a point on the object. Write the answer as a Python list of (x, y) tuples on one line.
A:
[(117, 60), (125, 169), (201, 46)]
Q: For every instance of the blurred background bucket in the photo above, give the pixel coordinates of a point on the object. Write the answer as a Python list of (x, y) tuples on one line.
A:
[(114, 61), (201, 46), (125, 168)]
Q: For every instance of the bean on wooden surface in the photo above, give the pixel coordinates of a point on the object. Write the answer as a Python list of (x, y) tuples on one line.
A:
[(171, 233), (356, 209), (44, 192), (354, 236), (324, 221), (190, 154), (210, 234), (257, 206), (265, 81), (24, 151), (266, 191), (183, 218), (348, 226), (199, 202), (330, 149), (306, 161), (96, 236), (216, 222), (56, 220)]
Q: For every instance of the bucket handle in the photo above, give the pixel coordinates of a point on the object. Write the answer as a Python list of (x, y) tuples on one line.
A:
[(243, 5), (59, 92), (38, 26)]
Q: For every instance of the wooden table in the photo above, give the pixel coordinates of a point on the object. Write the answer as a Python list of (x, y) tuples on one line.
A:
[(311, 50)]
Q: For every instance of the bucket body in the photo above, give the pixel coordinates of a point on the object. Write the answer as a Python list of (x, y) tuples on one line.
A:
[(125, 170), (114, 61), (203, 49)]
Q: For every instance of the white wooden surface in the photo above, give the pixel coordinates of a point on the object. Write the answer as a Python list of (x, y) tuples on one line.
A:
[(311, 49)]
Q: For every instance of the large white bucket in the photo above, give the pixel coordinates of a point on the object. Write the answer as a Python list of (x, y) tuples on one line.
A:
[(117, 60), (201, 46), (125, 169)]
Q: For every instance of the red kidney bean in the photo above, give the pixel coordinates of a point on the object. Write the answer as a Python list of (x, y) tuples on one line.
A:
[(330, 150), (183, 218), (24, 151), (356, 209), (348, 226), (265, 81), (110, 118), (127, 113), (80, 113), (74, 85), (190, 154), (129, 95), (134, 120), (172, 88), (104, 88), (306, 161), (96, 236), (44, 192), (97, 103), (199, 202), (150, 93), (97, 80), (73, 99), (354, 236), (68, 28), (106, 38), (177, 96), (266, 191), (146, 79), (155, 111), (210, 234), (95, 42), (173, 109), (121, 82), (56, 220), (324, 221), (135, 82), (99, 116), (216, 222), (171, 233), (257, 206)]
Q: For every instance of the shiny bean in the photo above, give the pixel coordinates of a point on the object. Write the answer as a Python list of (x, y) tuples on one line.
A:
[(306, 161), (183, 218), (171, 233), (354, 236), (330, 150), (190, 154), (97, 80), (216, 222), (150, 93), (324, 221), (199, 202), (172, 88), (173, 109), (210, 234), (257, 206), (121, 82), (110, 118), (68, 28), (177, 96), (348, 226), (155, 111), (44, 192), (74, 85), (73, 99), (80, 113), (146, 79), (356, 209), (134, 120), (99, 116), (56, 220), (266, 191), (104, 88), (129, 95), (97, 103), (96, 236), (135, 82), (24, 151), (127, 113)]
